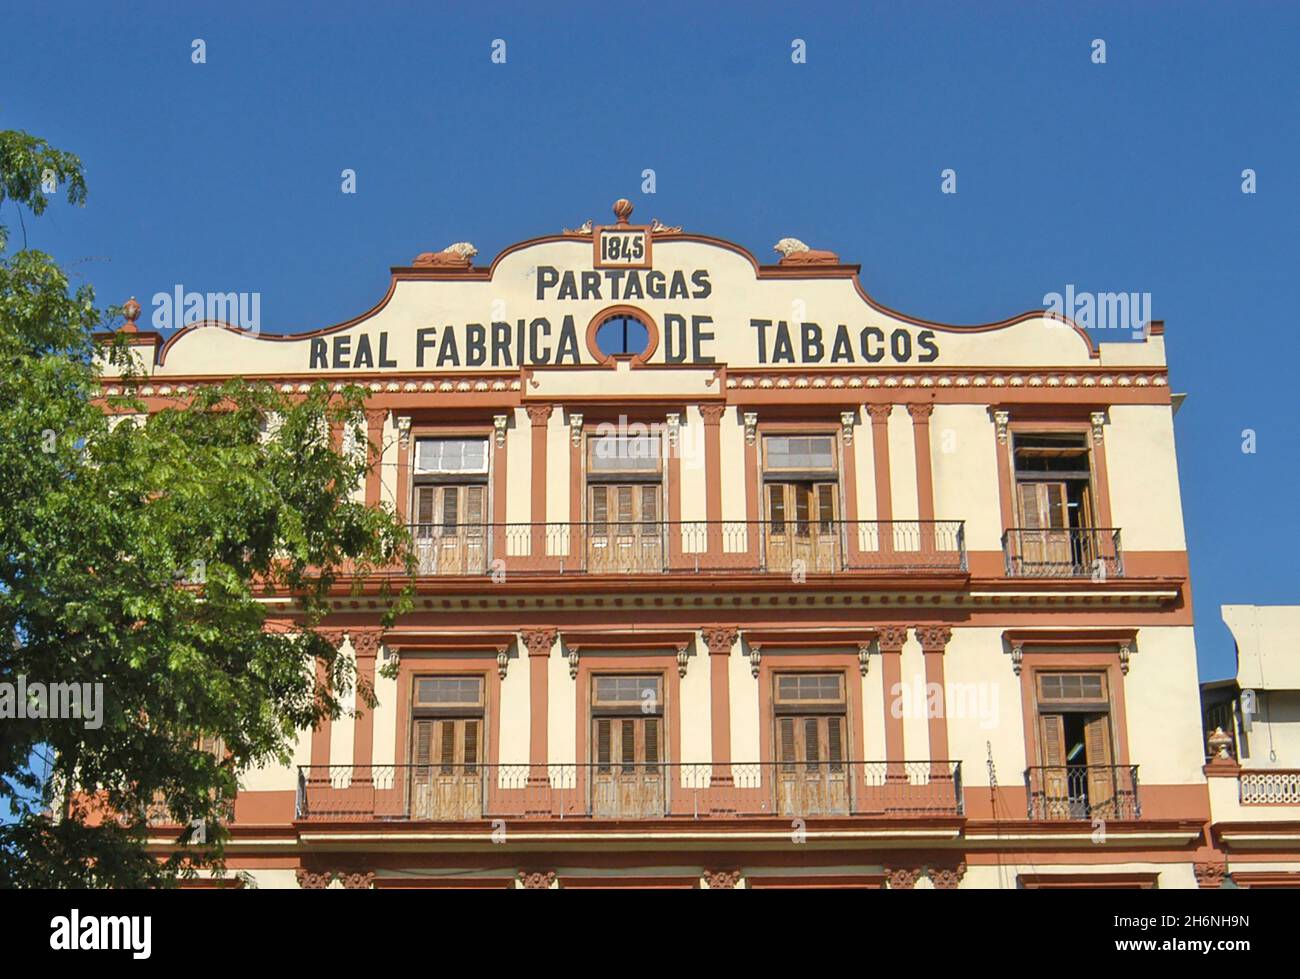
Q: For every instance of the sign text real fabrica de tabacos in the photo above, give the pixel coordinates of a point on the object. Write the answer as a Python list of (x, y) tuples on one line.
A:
[(538, 341)]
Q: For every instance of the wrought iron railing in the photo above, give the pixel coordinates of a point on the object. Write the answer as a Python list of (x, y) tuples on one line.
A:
[(457, 793), (1073, 552), (1083, 792), (659, 547), (1278, 787)]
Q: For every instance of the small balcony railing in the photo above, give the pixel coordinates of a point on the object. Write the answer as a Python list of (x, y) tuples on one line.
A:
[(1083, 792), (1276, 787), (661, 547), (1073, 552), (459, 793)]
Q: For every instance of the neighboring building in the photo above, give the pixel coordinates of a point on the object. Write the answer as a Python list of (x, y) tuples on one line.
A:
[(1252, 728), (730, 574)]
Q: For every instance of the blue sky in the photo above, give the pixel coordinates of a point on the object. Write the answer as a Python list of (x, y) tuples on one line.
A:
[(1117, 177)]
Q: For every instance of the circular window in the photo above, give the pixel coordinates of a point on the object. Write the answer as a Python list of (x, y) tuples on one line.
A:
[(622, 335)]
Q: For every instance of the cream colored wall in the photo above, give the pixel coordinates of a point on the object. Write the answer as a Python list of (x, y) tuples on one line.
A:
[(1273, 740), (902, 467), (1143, 474), (873, 712), (696, 707), (1226, 807), (558, 441), (343, 731), (276, 777), (964, 461), (911, 698), (562, 710), (1172, 876), (732, 438), (864, 466), (516, 710), (694, 481), (1162, 701), (744, 707), (519, 468), (388, 462), (982, 693), (386, 714), (1267, 637)]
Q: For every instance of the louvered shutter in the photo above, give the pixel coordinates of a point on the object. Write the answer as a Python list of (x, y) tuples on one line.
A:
[(603, 744), (835, 742), (652, 741), (786, 748), (474, 510), (471, 744), (627, 745)]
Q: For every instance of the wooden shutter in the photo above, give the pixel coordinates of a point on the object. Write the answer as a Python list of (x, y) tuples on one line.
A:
[(802, 504), (474, 508), (1043, 506), (649, 504), (652, 740), (471, 744), (422, 742), (1101, 777), (627, 745), (603, 743), (450, 506), (835, 742), (776, 507), (786, 747), (600, 507), (1052, 745), (625, 516), (424, 497), (811, 743), (447, 745), (826, 507)]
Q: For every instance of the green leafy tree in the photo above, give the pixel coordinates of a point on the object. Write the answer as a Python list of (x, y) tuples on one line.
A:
[(136, 550)]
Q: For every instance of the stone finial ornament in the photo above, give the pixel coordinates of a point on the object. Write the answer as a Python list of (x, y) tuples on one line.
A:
[(622, 210), (131, 310), (795, 252), (657, 227), (582, 229), (454, 256)]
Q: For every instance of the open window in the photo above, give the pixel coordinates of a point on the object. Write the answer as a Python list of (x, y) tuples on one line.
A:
[(1077, 778), (801, 494), (811, 732), (450, 505), (447, 747), (1055, 504), (625, 530), (627, 746)]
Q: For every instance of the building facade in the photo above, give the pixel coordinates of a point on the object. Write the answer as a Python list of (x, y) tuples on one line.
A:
[(731, 576), (1252, 726)]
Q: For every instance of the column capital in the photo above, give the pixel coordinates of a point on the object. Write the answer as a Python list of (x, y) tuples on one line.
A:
[(539, 642), (892, 638), (713, 413), (539, 415), (933, 638), (920, 412), (332, 636), (366, 642), (537, 880), (719, 639), (879, 414)]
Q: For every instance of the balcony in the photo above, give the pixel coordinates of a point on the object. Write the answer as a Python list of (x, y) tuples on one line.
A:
[(1276, 787), (1074, 552), (460, 793), (1088, 792), (728, 546)]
